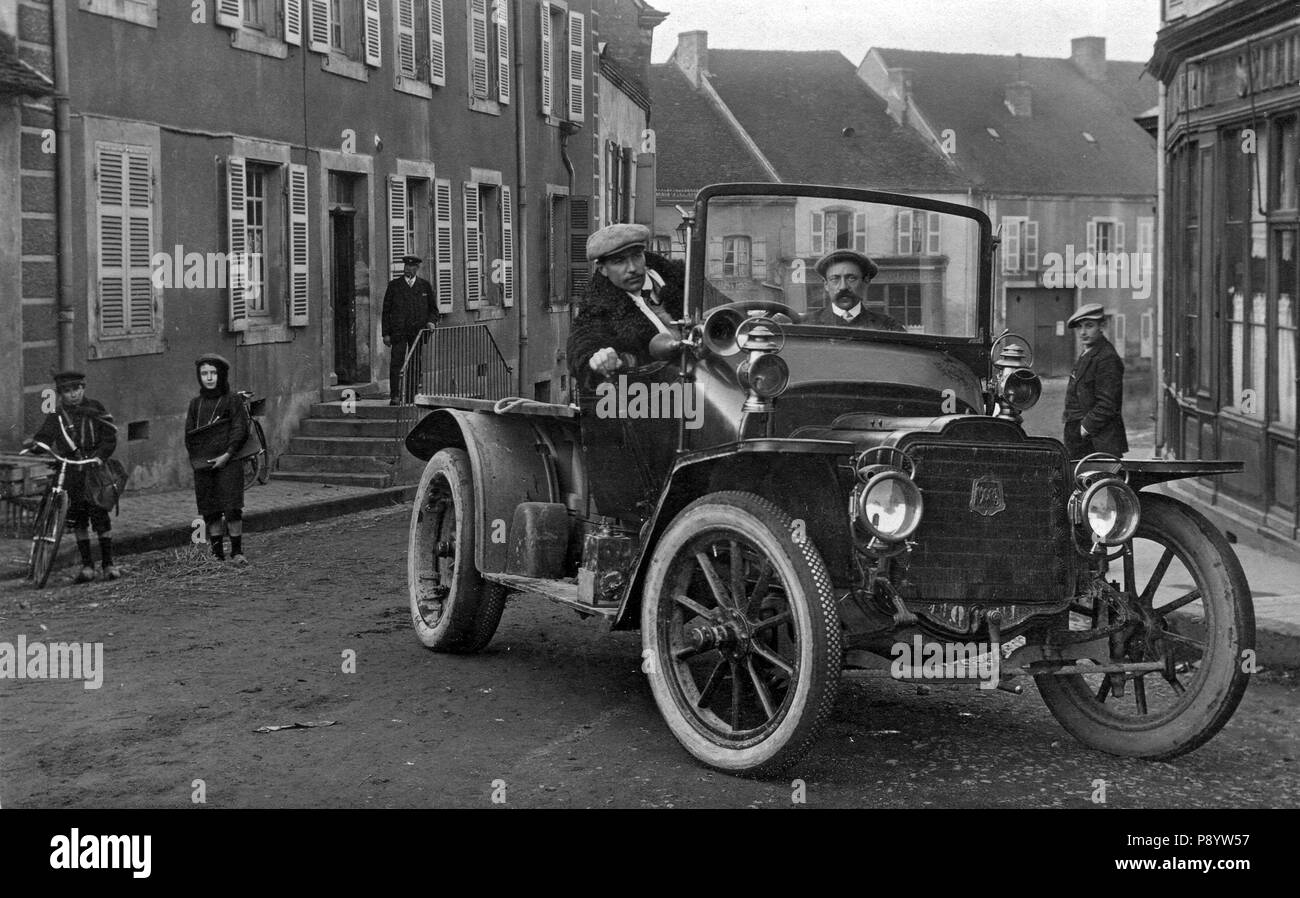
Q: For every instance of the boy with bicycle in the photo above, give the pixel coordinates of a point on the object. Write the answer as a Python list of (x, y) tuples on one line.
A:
[(83, 429)]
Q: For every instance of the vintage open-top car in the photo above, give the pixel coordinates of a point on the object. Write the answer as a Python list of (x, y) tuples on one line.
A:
[(773, 501)]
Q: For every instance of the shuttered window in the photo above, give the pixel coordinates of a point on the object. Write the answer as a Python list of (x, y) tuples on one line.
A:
[(318, 26), (442, 215), (299, 269), (577, 67), (230, 13), (473, 247), (437, 44), (293, 22), (501, 15), (236, 242), (397, 224), (407, 65), (373, 29), (548, 60), (579, 231), (478, 48), (124, 211), (507, 248)]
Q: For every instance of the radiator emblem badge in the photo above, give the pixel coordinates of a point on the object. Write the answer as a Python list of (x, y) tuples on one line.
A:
[(986, 496)]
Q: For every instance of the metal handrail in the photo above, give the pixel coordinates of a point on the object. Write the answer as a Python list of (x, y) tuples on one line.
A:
[(461, 361)]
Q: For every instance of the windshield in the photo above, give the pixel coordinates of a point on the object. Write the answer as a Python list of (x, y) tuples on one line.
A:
[(922, 267)]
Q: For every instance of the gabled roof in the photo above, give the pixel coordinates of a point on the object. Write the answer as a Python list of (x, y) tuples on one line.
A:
[(696, 147), (17, 77), (796, 106), (1046, 152)]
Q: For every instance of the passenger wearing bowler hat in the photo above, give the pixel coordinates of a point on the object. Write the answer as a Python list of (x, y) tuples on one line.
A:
[(1094, 398), (632, 296), (409, 307), (845, 275), (81, 428)]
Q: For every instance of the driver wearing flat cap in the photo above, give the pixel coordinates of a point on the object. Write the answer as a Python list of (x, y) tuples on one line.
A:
[(1094, 396), (632, 295), (845, 275)]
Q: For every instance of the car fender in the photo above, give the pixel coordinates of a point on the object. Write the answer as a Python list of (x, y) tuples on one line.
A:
[(508, 465), (800, 476)]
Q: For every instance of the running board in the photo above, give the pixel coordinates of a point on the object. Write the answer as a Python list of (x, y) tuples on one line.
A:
[(563, 591)]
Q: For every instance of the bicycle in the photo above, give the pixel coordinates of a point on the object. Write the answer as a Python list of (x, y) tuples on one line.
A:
[(51, 516), (257, 467)]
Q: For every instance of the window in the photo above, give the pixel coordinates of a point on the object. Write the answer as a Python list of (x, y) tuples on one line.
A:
[(421, 47), (489, 245), (1287, 279), (349, 32), (266, 243), (125, 209), (620, 182), (419, 223), (258, 26), (663, 245), (917, 233), (1019, 244), (141, 12), (254, 14), (563, 63), (736, 257), (1105, 235), (489, 54), (1284, 163), (836, 229), (902, 302), (1146, 243)]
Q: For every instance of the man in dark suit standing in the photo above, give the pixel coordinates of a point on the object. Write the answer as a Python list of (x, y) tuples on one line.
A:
[(1094, 399), (409, 307), (845, 274)]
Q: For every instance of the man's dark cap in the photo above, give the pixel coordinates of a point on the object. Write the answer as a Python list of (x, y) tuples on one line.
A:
[(411, 260), (64, 378), (869, 269)]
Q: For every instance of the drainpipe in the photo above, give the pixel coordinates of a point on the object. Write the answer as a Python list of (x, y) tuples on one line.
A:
[(63, 188), (1158, 335), (521, 178)]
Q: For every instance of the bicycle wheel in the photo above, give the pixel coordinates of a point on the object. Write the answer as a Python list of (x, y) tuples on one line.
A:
[(263, 457), (50, 518)]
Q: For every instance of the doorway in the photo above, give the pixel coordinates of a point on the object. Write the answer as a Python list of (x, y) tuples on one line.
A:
[(1039, 315), (343, 295)]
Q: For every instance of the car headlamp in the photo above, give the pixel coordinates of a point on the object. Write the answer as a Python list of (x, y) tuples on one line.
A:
[(888, 504), (765, 373), (1021, 389), (1109, 508)]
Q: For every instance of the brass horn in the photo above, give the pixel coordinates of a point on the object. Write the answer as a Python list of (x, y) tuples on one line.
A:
[(720, 332)]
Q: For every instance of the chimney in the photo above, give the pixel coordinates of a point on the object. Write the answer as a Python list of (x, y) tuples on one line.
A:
[(692, 55), (1089, 55), (1020, 99)]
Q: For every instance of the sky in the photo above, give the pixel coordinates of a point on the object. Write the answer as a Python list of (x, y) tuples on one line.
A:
[(1004, 27)]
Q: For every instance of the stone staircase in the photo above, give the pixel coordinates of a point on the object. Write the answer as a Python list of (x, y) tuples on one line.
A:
[(346, 448)]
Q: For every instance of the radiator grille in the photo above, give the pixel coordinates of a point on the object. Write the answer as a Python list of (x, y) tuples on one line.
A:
[(1021, 555)]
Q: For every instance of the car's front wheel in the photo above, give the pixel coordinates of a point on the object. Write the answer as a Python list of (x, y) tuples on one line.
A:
[(453, 608), (741, 634)]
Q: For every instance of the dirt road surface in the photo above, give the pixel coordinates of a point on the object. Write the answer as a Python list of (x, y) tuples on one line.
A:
[(555, 713)]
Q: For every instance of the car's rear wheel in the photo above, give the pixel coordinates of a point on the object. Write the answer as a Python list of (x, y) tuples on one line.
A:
[(453, 608), (741, 635), (1195, 618)]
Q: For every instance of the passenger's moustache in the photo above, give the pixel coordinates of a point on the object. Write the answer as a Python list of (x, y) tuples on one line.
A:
[(846, 298)]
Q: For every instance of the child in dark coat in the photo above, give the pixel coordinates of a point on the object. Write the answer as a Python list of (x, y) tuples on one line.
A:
[(216, 426)]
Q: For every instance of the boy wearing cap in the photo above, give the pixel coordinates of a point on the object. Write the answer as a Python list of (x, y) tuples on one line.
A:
[(632, 296), (409, 307), (1094, 398), (82, 429), (845, 275)]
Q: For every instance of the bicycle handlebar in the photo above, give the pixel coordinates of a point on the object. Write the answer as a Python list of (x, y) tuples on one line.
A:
[(67, 461)]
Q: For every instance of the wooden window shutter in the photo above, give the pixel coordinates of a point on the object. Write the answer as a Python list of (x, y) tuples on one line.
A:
[(139, 214), (579, 231), (318, 26), (112, 276), (717, 254), (1010, 244), (818, 234), (237, 241), (374, 34), (299, 269), (507, 249), (473, 259), (396, 224), (406, 65), (860, 232), (443, 238), (1119, 238), (230, 13), (1031, 245), (501, 12), (293, 22), (904, 242), (548, 63), (935, 223), (760, 260), (577, 67), (478, 49), (437, 45), (1092, 236)]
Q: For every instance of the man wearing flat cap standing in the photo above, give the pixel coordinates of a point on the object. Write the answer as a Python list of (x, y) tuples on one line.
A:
[(632, 296), (409, 307), (845, 275), (1094, 398)]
